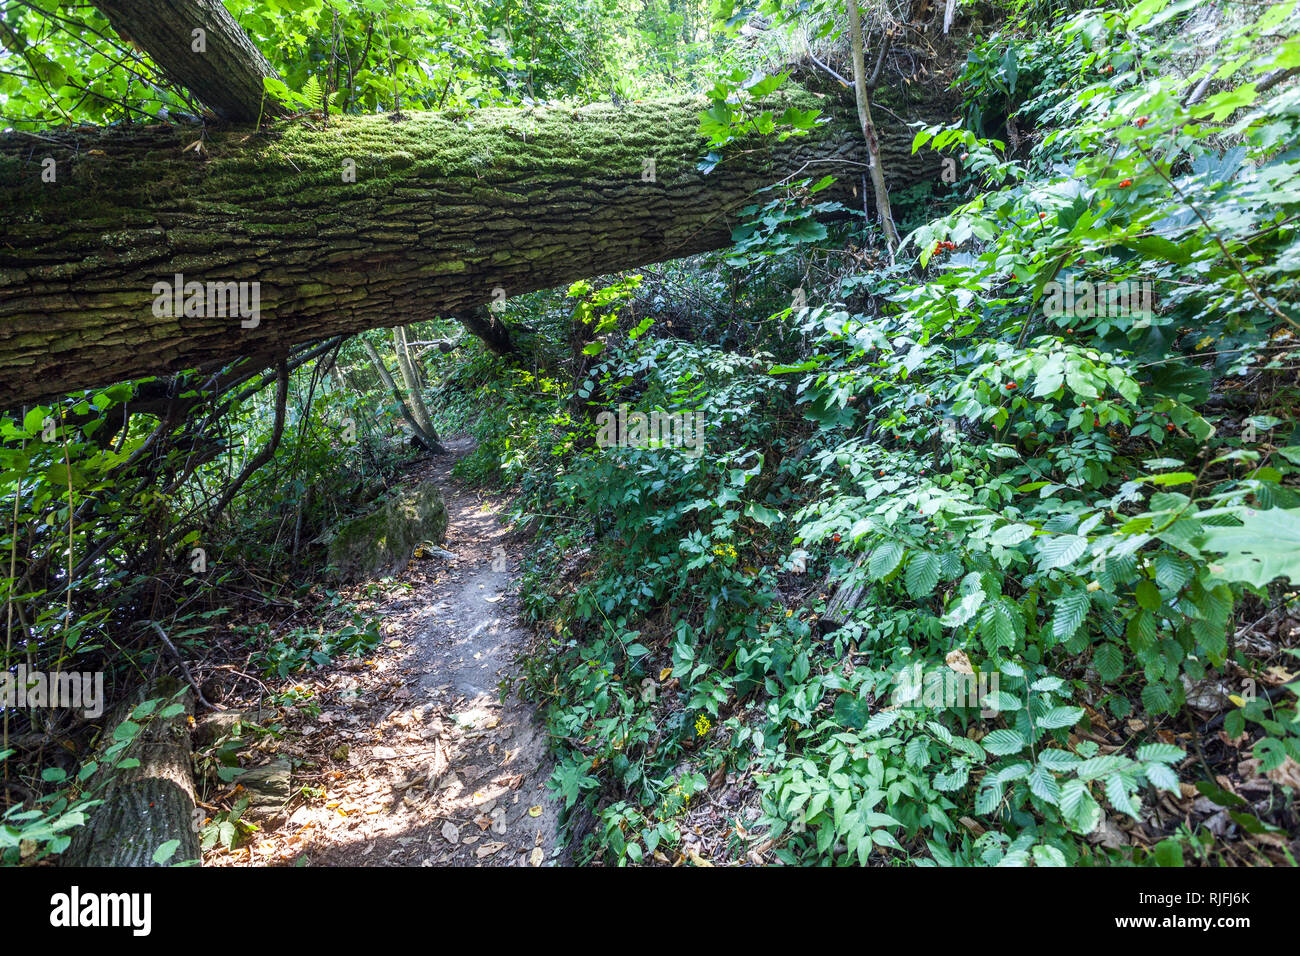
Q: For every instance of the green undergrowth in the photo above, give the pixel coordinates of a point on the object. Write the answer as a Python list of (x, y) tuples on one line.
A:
[(1088, 505)]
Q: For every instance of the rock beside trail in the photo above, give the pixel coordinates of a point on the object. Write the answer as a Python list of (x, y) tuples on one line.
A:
[(382, 541)]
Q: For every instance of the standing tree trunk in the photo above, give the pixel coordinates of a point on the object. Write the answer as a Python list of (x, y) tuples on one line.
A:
[(429, 442), (862, 94), (485, 324), (414, 393)]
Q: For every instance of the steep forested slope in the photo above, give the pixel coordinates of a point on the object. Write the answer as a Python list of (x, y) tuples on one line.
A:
[(955, 529)]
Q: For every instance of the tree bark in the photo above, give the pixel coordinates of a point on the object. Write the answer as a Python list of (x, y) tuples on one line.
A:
[(221, 66), (385, 376), (444, 210), (862, 94), (494, 333), (415, 398), (145, 806)]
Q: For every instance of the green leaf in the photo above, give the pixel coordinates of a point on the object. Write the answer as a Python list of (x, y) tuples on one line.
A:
[(1172, 478), (1059, 717), (1045, 855), (1002, 742), (1109, 662), (764, 516), (1042, 784), (1163, 777), (1080, 811), (851, 712), (1215, 793), (1168, 853), (1264, 547), (1056, 551), (922, 574), (881, 721), (1010, 535), (1148, 595), (166, 851), (1071, 611), (1165, 753), (884, 559), (1117, 792)]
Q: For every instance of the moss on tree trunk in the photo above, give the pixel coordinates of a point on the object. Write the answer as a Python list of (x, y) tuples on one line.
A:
[(445, 210)]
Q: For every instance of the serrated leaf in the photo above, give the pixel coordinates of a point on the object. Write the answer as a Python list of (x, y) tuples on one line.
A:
[(1071, 610), (1058, 759), (1059, 550), (1059, 717), (1109, 662), (1117, 792), (1042, 784), (1003, 742), (884, 559), (1078, 808), (1162, 776), (1165, 753), (880, 721), (921, 575)]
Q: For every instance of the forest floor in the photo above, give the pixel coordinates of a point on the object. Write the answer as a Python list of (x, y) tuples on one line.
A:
[(413, 758)]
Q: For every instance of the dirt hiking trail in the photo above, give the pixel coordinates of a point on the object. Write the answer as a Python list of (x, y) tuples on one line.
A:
[(417, 761)]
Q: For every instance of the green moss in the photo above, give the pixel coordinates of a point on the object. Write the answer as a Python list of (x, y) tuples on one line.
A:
[(383, 540)]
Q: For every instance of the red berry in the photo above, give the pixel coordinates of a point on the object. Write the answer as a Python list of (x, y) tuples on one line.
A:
[(1140, 122), (1011, 385), (1125, 183)]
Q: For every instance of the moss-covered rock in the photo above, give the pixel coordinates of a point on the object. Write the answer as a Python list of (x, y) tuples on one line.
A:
[(382, 541)]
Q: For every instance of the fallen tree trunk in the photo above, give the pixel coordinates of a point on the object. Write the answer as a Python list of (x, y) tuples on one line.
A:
[(445, 212), (147, 805)]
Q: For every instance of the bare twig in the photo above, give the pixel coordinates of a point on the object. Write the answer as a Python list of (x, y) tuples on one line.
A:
[(184, 668)]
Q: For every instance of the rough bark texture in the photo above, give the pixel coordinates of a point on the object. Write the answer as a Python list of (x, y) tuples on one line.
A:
[(417, 432), (494, 333), (849, 592), (414, 389), (145, 806), (445, 209), (226, 74)]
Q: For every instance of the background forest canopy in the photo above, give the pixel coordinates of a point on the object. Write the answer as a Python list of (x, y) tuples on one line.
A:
[(1043, 431)]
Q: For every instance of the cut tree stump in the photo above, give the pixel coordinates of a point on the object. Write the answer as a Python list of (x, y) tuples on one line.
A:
[(144, 806), (849, 591)]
